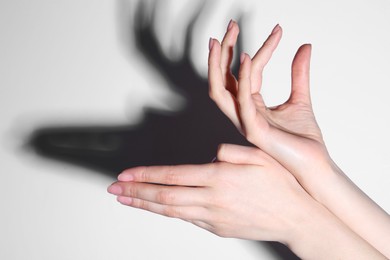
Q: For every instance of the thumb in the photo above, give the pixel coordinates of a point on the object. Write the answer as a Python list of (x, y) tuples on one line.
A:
[(300, 76)]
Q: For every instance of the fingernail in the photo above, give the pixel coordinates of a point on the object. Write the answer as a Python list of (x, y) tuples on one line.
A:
[(230, 25), (124, 200), (115, 189), (211, 43), (276, 29), (242, 57), (125, 177)]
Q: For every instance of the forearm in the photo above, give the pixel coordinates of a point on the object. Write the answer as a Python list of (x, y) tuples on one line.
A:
[(324, 181), (321, 235), (353, 207)]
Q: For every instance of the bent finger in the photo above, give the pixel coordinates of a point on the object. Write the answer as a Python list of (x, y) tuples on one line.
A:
[(224, 99), (263, 56), (239, 154), (244, 97), (228, 43)]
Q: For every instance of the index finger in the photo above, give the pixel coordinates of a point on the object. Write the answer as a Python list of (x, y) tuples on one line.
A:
[(263, 56), (217, 90), (184, 175)]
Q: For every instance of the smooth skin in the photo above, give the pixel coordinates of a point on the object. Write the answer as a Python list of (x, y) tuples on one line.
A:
[(290, 133), (248, 194), (256, 202)]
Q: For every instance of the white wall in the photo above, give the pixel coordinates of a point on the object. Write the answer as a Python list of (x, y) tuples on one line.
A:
[(54, 54)]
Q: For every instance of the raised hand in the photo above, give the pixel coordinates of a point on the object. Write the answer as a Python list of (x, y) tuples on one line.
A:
[(287, 132)]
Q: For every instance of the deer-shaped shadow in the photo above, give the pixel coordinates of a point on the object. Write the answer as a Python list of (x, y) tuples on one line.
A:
[(190, 136)]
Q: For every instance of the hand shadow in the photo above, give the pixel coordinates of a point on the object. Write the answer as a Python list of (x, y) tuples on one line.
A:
[(189, 136)]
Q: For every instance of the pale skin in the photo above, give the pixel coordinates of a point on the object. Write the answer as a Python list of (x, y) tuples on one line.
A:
[(261, 201), (248, 194), (290, 134)]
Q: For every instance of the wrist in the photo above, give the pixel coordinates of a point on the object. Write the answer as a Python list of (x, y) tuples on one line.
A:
[(321, 235), (321, 178), (353, 207)]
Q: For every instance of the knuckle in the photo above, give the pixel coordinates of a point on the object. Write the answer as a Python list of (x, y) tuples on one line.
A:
[(250, 136), (171, 177), (144, 176), (142, 204), (165, 197), (132, 191), (212, 94), (219, 202)]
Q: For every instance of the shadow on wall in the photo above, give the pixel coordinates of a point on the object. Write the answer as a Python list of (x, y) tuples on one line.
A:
[(189, 136)]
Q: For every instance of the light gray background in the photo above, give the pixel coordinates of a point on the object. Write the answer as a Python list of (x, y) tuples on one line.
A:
[(54, 54)]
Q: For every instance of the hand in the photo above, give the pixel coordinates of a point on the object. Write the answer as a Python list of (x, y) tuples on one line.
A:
[(288, 132), (257, 202)]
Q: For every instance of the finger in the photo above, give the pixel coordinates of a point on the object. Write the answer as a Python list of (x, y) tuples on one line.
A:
[(185, 175), (263, 56), (215, 73), (254, 124), (244, 96), (167, 195), (239, 154), (300, 74), (228, 43), (217, 91), (185, 213)]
